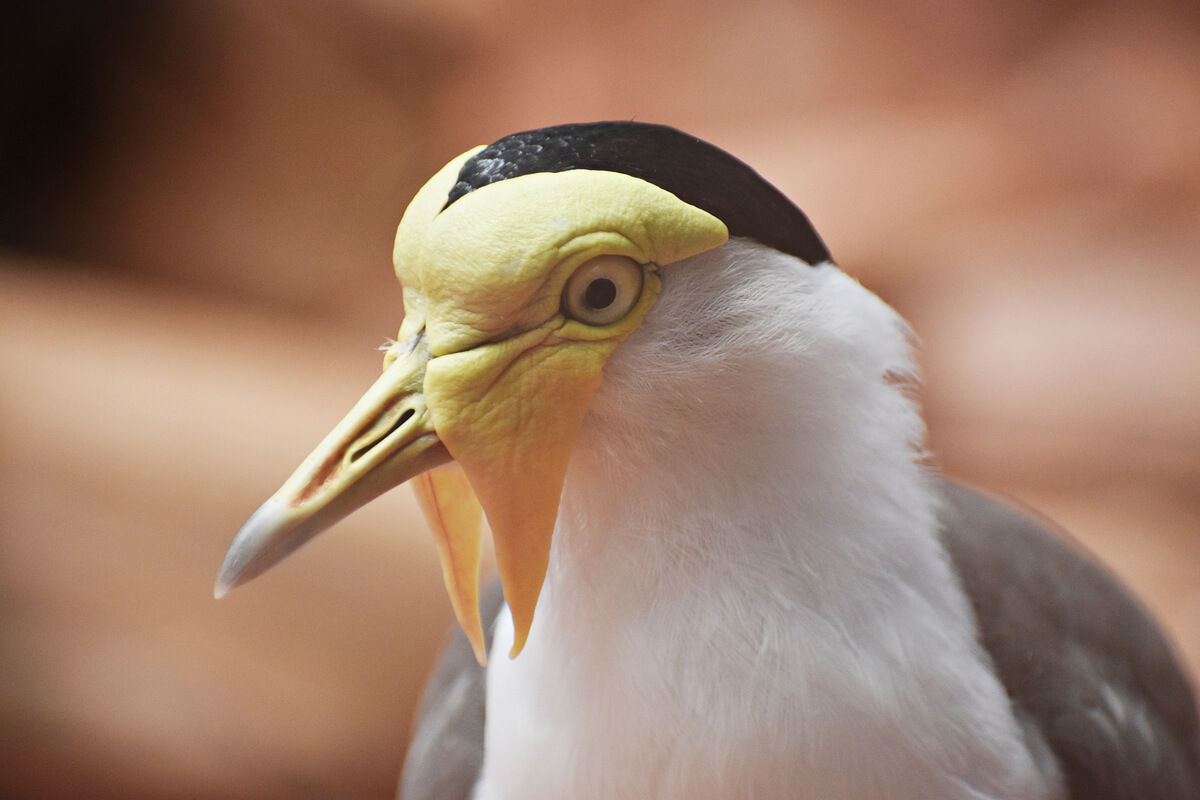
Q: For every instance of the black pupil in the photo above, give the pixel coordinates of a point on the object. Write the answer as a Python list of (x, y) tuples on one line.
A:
[(600, 293)]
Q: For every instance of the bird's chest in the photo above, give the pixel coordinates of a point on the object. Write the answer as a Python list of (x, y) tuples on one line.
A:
[(681, 704), (718, 715), (633, 721)]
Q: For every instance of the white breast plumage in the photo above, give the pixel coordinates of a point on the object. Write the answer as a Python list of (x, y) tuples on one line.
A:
[(798, 634)]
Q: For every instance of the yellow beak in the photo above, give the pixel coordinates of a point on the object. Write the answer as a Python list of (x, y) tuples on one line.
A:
[(511, 444), (386, 439)]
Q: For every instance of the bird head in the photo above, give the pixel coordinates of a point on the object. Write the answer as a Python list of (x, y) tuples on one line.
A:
[(524, 265)]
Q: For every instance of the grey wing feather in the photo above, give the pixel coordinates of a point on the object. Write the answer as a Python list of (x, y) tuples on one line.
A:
[(446, 752), (1081, 660)]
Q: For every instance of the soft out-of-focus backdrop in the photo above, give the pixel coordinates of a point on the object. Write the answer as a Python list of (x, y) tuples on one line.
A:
[(196, 212)]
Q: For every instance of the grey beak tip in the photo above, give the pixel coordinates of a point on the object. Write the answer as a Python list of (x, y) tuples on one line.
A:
[(251, 547)]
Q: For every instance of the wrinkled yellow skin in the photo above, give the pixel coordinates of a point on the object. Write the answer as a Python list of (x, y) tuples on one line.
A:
[(510, 378)]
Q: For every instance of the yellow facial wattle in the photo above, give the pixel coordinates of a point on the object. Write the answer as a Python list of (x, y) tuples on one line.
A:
[(511, 376)]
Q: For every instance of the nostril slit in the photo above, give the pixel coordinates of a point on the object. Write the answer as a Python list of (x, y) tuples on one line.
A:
[(395, 426)]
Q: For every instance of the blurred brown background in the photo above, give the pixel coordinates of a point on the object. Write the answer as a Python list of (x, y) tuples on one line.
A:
[(196, 212)]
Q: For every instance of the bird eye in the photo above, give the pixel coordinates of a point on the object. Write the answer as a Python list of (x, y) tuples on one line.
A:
[(603, 289)]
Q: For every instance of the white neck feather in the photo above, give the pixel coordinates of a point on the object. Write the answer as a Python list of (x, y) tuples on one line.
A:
[(746, 595)]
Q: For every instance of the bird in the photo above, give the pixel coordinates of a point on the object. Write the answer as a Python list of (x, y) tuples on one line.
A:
[(728, 566)]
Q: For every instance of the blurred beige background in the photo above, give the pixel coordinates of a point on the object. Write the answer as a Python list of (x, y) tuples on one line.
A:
[(197, 208)]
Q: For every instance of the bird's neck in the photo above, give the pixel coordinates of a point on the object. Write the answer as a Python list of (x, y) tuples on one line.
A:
[(779, 446), (746, 582)]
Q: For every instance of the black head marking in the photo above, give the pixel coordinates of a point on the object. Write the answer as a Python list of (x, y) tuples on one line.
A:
[(691, 169)]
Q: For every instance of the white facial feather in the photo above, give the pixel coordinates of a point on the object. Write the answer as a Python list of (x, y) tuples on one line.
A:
[(746, 595)]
